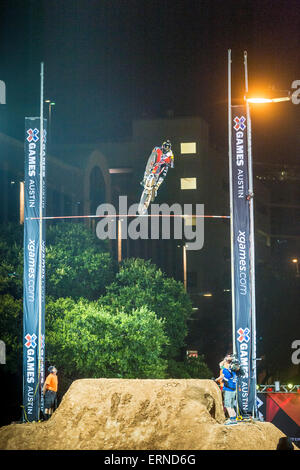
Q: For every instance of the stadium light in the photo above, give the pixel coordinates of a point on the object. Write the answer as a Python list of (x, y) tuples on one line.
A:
[(296, 261), (267, 100)]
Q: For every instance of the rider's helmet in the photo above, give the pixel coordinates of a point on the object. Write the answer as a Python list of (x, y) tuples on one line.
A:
[(166, 146)]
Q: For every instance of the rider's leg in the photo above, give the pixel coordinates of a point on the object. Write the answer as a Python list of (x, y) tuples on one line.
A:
[(142, 183), (161, 179), (158, 184)]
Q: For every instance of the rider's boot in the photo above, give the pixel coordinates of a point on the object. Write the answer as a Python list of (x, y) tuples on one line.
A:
[(158, 185)]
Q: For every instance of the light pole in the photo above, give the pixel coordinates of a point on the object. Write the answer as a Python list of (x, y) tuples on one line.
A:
[(254, 100), (50, 104), (268, 100), (184, 268), (232, 261), (2, 92), (120, 240), (296, 261), (22, 193), (184, 264), (251, 227)]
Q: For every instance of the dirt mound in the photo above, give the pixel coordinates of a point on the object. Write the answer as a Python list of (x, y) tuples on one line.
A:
[(118, 414)]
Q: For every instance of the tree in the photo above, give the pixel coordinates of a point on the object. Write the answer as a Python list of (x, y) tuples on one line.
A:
[(98, 322), (140, 284), (85, 340), (78, 263), (11, 330), (190, 368), (11, 260), (11, 290)]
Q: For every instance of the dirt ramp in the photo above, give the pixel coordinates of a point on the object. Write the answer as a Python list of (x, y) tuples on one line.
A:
[(140, 414)]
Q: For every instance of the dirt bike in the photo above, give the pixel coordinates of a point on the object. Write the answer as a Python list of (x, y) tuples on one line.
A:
[(151, 184), (148, 194)]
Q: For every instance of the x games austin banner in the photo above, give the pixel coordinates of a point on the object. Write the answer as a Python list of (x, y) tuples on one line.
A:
[(34, 280), (241, 250)]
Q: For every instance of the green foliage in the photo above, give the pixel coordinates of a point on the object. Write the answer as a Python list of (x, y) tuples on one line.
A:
[(140, 284), (190, 368), (130, 330), (87, 341), (11, 235), (78, 263), (11, 260), (11, 291), (11, 311)]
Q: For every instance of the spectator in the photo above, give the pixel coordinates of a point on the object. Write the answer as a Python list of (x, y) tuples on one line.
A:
[(219, 379), (50, 391), (229, 388)]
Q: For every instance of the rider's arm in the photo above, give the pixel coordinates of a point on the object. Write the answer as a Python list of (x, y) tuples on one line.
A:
[(172, 160), (169, 159)]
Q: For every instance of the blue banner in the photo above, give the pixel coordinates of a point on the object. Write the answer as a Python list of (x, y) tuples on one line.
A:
[(34, 271), (241, 251)]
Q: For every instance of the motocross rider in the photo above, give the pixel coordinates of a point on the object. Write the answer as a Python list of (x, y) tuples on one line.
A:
[(160, 160)]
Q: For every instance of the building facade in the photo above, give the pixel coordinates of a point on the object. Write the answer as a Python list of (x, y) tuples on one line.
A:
[(82, 177)]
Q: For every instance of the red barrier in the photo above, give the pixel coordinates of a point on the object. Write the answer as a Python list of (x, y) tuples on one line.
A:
[(282, 410)]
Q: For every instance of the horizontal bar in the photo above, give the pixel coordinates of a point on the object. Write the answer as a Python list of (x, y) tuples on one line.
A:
[(127, 215)]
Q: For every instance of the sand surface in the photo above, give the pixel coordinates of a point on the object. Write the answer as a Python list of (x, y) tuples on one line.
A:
[(120, 414)]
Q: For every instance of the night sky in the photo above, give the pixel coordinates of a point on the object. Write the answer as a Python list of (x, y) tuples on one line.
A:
[(110, 61)]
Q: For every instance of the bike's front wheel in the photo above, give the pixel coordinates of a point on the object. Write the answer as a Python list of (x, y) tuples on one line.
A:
[(144, 202)]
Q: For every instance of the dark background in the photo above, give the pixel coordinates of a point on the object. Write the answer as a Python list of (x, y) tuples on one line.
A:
[(110, 61)]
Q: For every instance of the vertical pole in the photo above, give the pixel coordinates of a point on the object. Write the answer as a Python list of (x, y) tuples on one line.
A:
[(21, 202), (184, 268), (49, 127), (5, 191), (231, 203), (119, 241), (252, 243), (41, 215)]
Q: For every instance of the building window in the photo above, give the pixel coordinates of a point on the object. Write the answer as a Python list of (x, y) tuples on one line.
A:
[(188, 147), (188, 183)]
